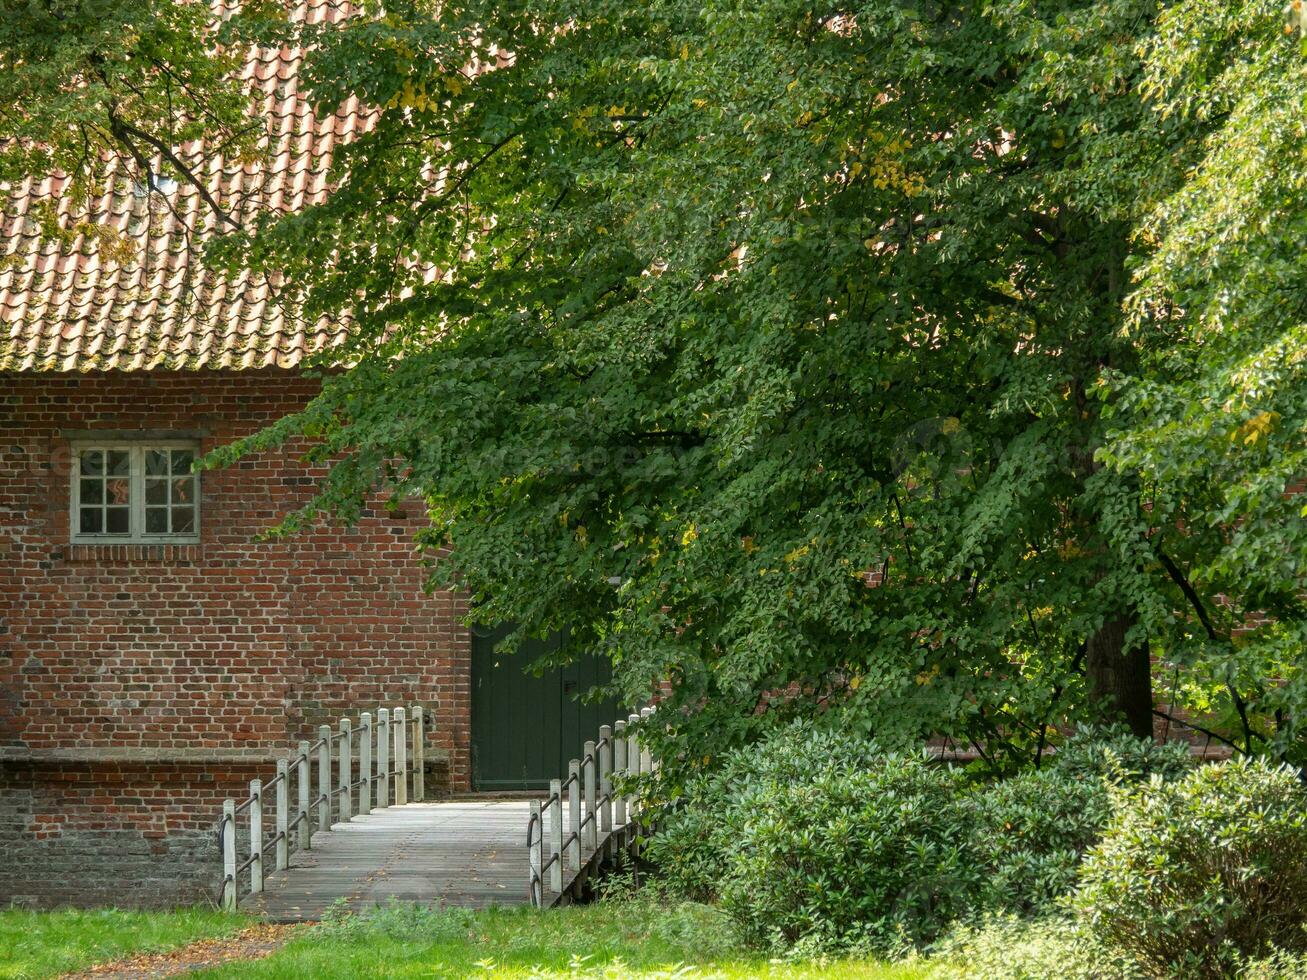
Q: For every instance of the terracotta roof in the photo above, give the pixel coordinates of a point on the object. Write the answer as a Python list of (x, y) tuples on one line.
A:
[(67, 308)]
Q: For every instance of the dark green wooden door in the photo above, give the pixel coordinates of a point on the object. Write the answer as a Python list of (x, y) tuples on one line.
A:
[(525, 728)]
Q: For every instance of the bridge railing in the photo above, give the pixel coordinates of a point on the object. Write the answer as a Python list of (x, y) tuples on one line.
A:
[(275, 825), (599, 821)]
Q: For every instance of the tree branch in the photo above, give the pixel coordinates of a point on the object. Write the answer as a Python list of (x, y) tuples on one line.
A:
[(123, 131), (1190, 593), (1198, 728)]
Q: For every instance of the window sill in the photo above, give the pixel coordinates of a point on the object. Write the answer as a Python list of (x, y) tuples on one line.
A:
[(129, 554)]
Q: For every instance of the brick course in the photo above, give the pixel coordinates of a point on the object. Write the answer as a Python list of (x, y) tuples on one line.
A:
[(140, 684)]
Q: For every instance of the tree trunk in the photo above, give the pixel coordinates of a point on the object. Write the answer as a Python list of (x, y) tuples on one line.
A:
[(1120, 679)]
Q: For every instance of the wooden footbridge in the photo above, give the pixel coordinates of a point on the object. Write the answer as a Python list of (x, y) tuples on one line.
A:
[(345, 824)]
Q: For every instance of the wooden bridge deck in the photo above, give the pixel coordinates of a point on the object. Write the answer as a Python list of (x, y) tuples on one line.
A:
[(469, 854)]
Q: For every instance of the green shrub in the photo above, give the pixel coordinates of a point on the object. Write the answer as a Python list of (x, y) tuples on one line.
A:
[(1191, 876), (870, 856), (1005, 947), (1118, 754), (1279, 965), (689, 851), (1014, 845), (1030, 832), (694, 841), (821, 840)]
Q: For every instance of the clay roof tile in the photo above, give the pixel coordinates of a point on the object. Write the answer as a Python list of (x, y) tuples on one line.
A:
[(66, 308)]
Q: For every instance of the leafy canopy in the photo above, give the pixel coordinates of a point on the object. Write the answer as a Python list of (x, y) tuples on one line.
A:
[(893, 358)]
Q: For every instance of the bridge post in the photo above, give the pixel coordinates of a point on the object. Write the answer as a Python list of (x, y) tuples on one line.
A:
[(556, 836), (606, 779), (229, 855), (574, 812), (383, 757), (401, 758), (256, 836), (619, 769), (646, 759), (590, 770), (345, 772), (324, 777), (535, 884), (633, 757), (419, 753), (303, 779), (283, 814), (365, 763)]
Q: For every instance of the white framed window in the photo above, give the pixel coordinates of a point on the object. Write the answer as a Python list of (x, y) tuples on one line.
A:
[(135, 492)]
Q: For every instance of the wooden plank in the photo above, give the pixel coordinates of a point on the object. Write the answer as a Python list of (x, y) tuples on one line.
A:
[(470, 854), (302, 784), (365, 762), (324, 778), (401, 757), (283, 814), (229, 854), (345, 773)]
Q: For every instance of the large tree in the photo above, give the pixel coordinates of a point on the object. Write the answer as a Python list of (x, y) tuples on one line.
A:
[(856, 360), (748, 305), (1213, 417)]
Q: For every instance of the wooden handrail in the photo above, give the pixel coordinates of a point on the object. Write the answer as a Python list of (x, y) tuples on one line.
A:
[(597, 827), (376, 776)]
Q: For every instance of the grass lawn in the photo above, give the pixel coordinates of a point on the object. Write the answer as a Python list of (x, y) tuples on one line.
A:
[(45, 944), (618, 940), (636, 939)]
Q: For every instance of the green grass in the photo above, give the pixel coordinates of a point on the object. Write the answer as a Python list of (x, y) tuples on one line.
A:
[(621, 939), (45, 944), (607, 940)]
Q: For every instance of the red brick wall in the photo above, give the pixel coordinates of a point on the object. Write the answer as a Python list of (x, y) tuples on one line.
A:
[(114, 833), (219, 653)]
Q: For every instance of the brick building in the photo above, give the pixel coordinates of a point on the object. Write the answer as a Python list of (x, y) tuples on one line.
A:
[(152, 665), (154, 655)]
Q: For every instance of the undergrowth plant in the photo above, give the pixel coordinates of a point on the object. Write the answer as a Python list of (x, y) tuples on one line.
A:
[(1193, 876)]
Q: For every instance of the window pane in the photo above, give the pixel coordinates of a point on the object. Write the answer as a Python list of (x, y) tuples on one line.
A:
[(119, 491), (114, 481), (92, 462)]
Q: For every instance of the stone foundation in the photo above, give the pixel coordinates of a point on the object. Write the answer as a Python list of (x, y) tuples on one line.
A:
[(112, 833)]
